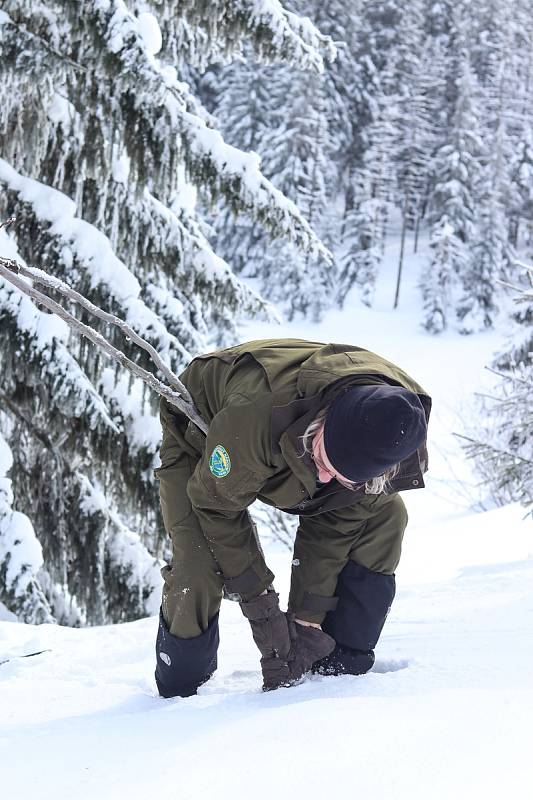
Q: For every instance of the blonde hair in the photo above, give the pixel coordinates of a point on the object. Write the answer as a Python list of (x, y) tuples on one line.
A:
[(378, 485)]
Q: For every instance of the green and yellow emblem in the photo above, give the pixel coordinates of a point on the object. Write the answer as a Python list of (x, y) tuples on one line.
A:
[(220, 462)]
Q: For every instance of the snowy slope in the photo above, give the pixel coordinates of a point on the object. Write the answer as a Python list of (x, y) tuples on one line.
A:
[(445, 713)]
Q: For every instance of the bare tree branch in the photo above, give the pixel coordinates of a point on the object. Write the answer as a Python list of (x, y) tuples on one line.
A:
[(50, 282), (181, 398)]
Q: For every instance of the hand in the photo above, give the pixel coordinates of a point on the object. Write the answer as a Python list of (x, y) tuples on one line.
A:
[(309, 643), (271, 635), (288, 649)]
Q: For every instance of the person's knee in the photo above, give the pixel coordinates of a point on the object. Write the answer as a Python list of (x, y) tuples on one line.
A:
[(365, 598), (183, 665), (380, 546)]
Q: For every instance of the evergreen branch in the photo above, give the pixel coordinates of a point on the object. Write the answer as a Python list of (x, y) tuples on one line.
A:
[(485, 396), (276, 32), (475, 444), (509, 377), (223, 167), (21, 29), (510, 285), (9, 270), (39, 434), (235, 170), (525, 297)]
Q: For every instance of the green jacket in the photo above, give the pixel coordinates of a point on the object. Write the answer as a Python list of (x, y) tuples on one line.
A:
[(258, 399)]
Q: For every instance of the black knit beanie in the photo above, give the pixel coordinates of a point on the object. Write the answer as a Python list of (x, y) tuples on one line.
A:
[(369, 429)]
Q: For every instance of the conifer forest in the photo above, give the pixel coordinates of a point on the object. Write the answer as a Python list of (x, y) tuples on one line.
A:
[(188, 165)]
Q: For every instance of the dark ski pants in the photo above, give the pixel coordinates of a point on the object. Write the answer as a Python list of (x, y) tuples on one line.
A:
[(365, 598)]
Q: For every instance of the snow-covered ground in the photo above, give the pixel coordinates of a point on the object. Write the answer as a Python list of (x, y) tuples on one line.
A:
[(445, 713)]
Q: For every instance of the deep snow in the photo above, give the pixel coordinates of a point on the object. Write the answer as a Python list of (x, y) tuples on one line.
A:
[(445, 713)]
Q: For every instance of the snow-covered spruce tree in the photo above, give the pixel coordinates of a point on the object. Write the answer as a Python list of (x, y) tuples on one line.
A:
[(515, 69), (365, 177), (421, 113), (448, 254), (403, 83), (451, 207), (491, 252), (244, 104), (290, 134), (490, 257), (501, 50), (298, 147), (345, 106), (392, 114), (362, 138), (343, 83), (102, 148), (417, 101), (522, 176), (364, 224), (502, 445)]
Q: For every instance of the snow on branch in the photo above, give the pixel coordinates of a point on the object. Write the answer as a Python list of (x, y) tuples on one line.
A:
[(204, 263), (23, 35), (9, 270), (222, 167), (525, 296), (127, 558), (21, 554), (93, 251), (274, 32), (241, 172), (48, 335)]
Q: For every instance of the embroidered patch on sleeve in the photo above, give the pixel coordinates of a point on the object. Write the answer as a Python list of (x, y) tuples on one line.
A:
[(220, 462)]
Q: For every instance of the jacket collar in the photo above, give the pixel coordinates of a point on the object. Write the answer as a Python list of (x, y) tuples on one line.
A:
[(289, 423)]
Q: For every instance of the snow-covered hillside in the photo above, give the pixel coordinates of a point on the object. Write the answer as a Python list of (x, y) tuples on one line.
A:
[(445, 713)]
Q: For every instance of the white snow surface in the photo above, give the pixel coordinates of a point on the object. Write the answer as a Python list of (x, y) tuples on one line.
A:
[(150, 32), (445, 713)]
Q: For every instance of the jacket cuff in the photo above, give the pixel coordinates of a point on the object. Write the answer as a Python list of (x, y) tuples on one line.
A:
[(248, 585), (312, 607)]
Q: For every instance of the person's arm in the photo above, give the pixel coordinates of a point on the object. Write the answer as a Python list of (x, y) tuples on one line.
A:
[(225, 482)]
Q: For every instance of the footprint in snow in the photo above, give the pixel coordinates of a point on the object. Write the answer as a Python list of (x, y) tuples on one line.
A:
[(390, 665)]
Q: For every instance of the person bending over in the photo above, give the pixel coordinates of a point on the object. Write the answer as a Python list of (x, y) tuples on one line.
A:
[(329, 432)]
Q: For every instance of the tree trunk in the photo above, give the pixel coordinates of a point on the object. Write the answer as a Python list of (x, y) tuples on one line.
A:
[(402, 250)]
